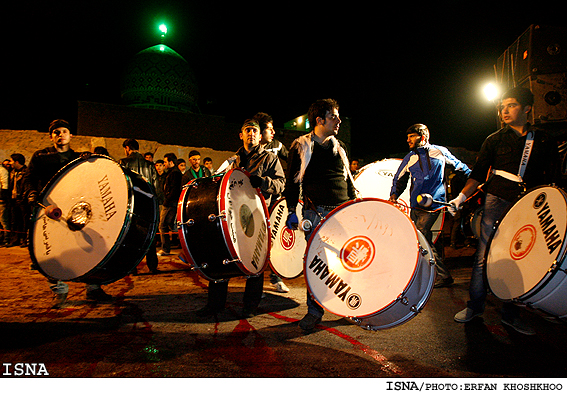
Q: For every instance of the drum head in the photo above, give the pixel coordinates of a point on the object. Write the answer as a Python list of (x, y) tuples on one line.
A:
[(288, 247), (246, 225), (94, 196), (361, 257), (527, 241)]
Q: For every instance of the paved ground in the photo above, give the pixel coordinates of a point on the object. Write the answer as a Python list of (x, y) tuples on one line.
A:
[(151, 330)]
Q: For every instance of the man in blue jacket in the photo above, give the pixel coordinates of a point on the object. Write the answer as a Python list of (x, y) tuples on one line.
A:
[(425, 164)]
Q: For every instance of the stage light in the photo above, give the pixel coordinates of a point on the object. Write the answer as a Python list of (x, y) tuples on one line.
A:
[(491, 92)]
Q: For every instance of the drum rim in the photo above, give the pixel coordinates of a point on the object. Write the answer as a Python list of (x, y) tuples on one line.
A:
[(180, 232), (225, 231), (123, 232), (276, 271), (340, 207), (557, 262)]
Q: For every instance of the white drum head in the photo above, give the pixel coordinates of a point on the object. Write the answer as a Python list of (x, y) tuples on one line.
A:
[(527, 242), (245, 227), (94, 195), (288, 246), (361, 257)]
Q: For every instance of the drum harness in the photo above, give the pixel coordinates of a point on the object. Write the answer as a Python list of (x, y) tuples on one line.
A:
[(523, 163)]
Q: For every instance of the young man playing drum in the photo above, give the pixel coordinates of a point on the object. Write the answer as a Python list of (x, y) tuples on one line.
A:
[(318, 167), (425, 163), (266, 173), (500, 159), (44, 164)]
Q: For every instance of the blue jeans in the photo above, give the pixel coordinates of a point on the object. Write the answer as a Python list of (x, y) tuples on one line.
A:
[(494, 208), (313, 307), (424, 221)]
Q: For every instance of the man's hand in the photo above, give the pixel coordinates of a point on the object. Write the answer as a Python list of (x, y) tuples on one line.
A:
[(456, 204), (255, 181), (292, 221)]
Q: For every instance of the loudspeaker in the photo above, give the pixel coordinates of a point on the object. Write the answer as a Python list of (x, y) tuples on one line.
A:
[(539, 50), (550, 97)]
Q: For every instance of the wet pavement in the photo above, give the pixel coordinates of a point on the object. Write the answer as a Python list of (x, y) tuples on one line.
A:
[(151, 329)]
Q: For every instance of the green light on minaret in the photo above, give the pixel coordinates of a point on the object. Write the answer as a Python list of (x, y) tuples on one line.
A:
[(163, 31)]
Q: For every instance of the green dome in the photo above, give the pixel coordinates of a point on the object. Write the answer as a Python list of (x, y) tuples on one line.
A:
[(159, 78)]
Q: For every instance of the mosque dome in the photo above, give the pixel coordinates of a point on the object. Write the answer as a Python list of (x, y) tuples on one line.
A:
[(159, 78)]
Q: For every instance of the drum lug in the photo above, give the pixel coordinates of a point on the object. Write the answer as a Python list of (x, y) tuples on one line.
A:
[(227, 261), (404, 300), (432, 262), (189, 222), (204, 266), (212, 217), (423, 251), (414, 309)]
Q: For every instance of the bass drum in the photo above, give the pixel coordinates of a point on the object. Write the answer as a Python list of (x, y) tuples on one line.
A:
[(525, 256), (109, 219), (366, 261), (223, 226), (288, 247), (375, 180)]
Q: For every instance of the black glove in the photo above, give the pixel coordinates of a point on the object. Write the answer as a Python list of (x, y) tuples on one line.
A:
[(255, 181)]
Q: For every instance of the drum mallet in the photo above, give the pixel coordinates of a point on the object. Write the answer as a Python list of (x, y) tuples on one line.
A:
[(51, 211), (425, 200)]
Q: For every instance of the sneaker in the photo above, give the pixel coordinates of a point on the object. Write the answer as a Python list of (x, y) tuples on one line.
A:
[(446, 282), (309, 322), (280, 287), (163, 253), (519, 325), (98, 295), (466, 315)]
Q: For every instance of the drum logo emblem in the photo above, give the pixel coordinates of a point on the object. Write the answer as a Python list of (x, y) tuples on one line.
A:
[(523, 242), (357, 253), (287, 238)]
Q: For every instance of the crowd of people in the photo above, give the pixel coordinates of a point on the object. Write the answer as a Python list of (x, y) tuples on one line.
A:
[(318, 173)]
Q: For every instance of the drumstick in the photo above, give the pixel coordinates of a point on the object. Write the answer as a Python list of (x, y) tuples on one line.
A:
[(425, 200), (51, 211)]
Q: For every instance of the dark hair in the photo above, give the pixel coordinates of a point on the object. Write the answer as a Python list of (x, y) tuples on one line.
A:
[(160, 161), (524, 96), (19, 158), (131, 143), (194, 153), (59, 123), (101, 150), (171, 157), (319, 109), (263, 119), (419, 129), (206, 159), (179, 161)]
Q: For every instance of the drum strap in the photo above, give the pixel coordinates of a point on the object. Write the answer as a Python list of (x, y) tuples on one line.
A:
[(523, 163)]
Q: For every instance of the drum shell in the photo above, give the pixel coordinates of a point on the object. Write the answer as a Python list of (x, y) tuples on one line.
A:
[(223, 226), (549, 291), (137, 234), (203, 242)]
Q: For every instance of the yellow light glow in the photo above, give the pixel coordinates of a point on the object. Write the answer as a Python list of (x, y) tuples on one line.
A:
[(300, 120), (491, 92)]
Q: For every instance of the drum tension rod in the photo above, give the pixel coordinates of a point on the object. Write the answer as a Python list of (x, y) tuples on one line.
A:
[(227, 261), (189, 222), (212, 217)]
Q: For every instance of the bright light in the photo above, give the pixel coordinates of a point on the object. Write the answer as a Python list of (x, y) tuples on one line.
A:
[(491, 92), (163, 29), (300, 120)]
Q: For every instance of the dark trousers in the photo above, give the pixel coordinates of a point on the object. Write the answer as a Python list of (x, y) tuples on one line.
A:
[(218, 291)]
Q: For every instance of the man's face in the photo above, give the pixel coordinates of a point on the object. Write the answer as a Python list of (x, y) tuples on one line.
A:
[(512, 112), (167, 163), (160, 167), (331, 123), (195, 161), (268, 134), (61, 136), (149, 157), (182, 167), (15, 165), (208, 164), (250, 136), (414, 140)]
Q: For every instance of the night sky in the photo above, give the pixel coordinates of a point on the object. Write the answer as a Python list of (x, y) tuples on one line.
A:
[(388, 67)]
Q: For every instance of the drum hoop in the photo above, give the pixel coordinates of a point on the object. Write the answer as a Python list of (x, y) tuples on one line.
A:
[(224, 226), (541, 284), (124, 230), (340, 207)]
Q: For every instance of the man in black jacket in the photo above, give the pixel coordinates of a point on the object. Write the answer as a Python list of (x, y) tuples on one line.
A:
[(172, 191), (44, 164), (137, 163)]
